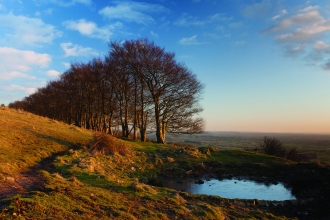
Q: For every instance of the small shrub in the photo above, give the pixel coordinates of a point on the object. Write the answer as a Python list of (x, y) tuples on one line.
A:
[(272, 146), (106, 144)]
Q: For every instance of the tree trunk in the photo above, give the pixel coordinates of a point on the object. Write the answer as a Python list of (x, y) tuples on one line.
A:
[(159, 127)]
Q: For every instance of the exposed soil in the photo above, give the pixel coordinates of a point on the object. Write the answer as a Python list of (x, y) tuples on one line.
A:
[(29, 180)]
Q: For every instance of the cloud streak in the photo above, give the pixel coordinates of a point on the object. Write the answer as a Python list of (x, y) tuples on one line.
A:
[(190, 41), (137, 12), (189, 20), (64, 3)]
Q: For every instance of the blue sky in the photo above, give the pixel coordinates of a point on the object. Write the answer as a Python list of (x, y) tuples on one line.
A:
[(265, 63)]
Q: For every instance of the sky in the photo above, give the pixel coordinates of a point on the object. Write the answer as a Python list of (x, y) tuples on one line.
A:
[(265, 64)]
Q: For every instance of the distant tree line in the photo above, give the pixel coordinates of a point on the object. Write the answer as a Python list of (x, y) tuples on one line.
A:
[(137, 88)]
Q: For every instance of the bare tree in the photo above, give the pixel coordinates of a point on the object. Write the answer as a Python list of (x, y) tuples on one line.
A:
[(173, 89)]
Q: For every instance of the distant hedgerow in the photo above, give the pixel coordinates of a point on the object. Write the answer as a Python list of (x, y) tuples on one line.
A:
[(106, 144), (273, 146)]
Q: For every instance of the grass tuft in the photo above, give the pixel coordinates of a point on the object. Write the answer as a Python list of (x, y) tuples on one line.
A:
[(105, 144)]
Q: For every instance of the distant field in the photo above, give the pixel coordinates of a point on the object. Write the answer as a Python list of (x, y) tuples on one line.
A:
[(316, 146)]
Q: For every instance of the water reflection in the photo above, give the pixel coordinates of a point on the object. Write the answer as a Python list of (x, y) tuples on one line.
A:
[(243, 189)]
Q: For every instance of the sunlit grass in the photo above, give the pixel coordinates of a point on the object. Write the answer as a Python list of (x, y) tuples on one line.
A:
[(25, 139)]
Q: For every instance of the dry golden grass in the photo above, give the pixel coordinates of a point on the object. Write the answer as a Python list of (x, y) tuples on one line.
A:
[(26, 139), (105, 144)]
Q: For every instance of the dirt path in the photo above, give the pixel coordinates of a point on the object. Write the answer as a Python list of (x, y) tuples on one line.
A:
[(21, 183), (28, 180)]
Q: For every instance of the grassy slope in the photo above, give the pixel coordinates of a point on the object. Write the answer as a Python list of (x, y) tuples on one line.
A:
[(85, 186), (26, 138)]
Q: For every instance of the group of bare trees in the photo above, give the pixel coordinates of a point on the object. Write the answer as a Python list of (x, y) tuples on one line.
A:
[(137, 88)]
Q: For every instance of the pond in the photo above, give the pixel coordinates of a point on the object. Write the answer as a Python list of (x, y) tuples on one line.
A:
[(234, 189)]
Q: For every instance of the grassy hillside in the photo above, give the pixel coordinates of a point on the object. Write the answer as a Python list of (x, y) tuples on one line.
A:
[(47, 171), (25, 139)]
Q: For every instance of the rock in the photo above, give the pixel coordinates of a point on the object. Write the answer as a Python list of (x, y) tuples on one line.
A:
[(199, 182), (10, 179)]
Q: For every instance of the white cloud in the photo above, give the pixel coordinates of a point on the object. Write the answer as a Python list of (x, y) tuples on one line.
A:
[(9, 75), (53, 73), (190, 41), (310, 8), (313, 19), (15, 63), (27, 31), (130, 11), (305, 33), (302, 34), (321, 46), (77, 50), (154, 34), (66, 65), (90, 29), (282, 12)]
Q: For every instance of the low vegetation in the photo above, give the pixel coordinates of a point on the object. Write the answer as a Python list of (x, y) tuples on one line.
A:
[(51, 170), (105, 144), (273, 146)]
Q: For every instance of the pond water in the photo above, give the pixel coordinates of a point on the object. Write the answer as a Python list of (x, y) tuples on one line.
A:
[(233, 189)]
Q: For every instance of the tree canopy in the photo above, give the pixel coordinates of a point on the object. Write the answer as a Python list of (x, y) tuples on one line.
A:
[(137, 88)]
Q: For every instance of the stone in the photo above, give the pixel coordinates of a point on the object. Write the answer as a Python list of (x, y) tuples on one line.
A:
[(10, 179)]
